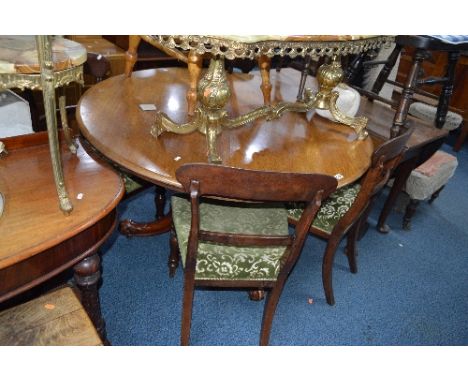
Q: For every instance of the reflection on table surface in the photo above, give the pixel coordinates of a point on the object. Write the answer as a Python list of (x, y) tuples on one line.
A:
[(110, 118)]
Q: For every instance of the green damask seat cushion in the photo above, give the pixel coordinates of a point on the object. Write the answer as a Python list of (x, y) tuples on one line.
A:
[(222, 262), (332, 209)]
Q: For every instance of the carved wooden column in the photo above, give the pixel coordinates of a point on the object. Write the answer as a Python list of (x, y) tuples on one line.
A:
[(195, 64), (87, 275), (264, 64), (131, 55)]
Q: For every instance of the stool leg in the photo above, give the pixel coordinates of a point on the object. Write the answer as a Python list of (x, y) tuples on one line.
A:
[(386, 70), (447, 90), (408, 91), (461, 138), (435, 195), (410, 210), (354, 68)]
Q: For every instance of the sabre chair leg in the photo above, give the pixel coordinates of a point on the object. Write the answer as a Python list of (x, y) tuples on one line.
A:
[(351, 246), (189, 285), (269, 311), (174, 254), (327, 270)]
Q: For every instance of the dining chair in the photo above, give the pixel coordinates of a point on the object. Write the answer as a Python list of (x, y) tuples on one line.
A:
[(344, 212), (240, 238)]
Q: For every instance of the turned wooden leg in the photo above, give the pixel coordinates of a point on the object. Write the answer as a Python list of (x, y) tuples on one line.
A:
[(435, 195), (257, 294), (160, 201), (195, 64), (327, 270), (410, 210), (87, 275), (407, 95), (304, 73), (174, 253), (461, 138), (447, 90), (131, 55), (386, 70), (264, 64)]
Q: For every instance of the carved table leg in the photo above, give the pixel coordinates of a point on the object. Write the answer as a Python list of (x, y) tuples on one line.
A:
[(410, 210), (131, 228), (87, 276), (264, 64), (64, 120), (131, 54), (44, 45), (194, 63)]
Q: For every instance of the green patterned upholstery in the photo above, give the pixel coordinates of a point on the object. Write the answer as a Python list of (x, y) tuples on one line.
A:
[(223, 262), (332, 209), (129, 183)]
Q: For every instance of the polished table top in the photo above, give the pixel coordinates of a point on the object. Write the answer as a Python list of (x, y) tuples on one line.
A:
[(110, 118), (32, 221)]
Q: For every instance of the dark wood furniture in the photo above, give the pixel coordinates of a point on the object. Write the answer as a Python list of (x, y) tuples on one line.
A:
[(109, 117), (39, 241), (384, 161), (55, 319), (421, 45), (423, 143), (201, 180)]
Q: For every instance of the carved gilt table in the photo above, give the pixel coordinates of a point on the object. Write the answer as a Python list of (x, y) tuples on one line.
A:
[(213, 92)]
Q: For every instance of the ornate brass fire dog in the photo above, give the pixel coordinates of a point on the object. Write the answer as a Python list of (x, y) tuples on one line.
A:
[(213, 90)]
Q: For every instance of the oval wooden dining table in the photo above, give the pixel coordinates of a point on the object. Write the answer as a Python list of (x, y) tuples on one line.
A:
[(111, 118)]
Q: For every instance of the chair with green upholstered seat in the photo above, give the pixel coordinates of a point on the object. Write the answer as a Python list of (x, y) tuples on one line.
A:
[(342, 213), (240, 238)]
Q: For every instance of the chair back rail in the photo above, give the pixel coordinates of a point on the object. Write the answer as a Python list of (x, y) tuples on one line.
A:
[(253, 185)]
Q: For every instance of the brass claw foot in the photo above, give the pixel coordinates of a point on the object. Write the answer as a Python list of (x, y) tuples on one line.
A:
[(357, 123)]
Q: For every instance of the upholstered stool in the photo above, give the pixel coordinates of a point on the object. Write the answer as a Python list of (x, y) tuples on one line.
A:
[(427, 181)]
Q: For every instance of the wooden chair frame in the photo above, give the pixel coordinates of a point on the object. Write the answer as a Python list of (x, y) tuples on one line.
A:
[(384, 160), (203, 180)]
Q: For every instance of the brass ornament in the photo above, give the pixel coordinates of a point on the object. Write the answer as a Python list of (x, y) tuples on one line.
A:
[(210, 118)]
